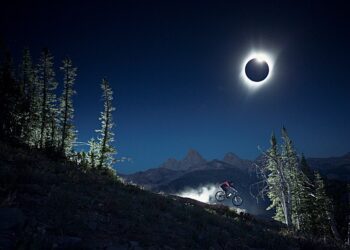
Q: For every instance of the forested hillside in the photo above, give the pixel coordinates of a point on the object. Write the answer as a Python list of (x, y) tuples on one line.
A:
[(47, 202)]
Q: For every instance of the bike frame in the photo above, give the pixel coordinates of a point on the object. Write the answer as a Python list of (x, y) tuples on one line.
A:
[(231, 190)]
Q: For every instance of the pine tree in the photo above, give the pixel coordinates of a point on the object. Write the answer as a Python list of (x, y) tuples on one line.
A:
[(106, 133), (93, 152), (66, 108), (29, 82), (35, 121), (278, 186), (322, 208), (305, 168), (307, 197), (53, 139), (82, 159), (11, 108), (48, 100), (295, 178), (26, 80)]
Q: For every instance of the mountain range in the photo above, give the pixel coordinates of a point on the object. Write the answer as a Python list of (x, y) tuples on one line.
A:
[(193, 171), (172, 170)]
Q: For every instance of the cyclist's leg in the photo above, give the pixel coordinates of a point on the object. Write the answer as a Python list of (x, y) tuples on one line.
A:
[(224, 188), (230, 191)]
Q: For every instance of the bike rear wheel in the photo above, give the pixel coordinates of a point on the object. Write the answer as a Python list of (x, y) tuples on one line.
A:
[(220, 196), (237, 200)]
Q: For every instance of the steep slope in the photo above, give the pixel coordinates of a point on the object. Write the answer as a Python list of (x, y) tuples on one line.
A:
[(47, 203), (212, 177)]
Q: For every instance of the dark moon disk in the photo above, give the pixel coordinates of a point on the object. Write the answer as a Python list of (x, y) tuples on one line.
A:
[(256, 70)]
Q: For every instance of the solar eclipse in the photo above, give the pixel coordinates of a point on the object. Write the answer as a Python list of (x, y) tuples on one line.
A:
[(257, 69)]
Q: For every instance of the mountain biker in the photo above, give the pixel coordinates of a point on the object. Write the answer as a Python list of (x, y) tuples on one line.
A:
[(228, 188)]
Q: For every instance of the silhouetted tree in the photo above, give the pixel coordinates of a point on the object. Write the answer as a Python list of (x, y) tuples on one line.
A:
[(11, 101)]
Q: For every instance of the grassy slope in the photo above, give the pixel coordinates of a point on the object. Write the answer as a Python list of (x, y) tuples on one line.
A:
[(66, 206)]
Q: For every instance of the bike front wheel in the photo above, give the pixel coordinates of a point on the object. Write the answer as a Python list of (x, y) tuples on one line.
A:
[(237, 200), (220, 196)]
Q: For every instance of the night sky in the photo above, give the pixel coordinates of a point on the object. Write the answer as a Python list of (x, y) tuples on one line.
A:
[(175, 70)]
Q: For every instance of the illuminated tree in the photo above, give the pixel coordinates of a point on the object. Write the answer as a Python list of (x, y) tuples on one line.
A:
[(93, 152), (324, 210), (322, 206), (279, 190), (31, 114), (297, 180), (47, 85), (26, 84), (106, 137), (66, 107), (306, 198)]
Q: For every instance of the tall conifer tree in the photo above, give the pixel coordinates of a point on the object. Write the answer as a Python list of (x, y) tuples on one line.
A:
[(278, 186), (106, 134), (322, 207), (93, 152), (10, 101), (66, 107), (295, 177), (307, 198), (29, 82), (48, 86)]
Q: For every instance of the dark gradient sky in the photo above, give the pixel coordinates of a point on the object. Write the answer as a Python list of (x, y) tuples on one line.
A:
[(175, 65)]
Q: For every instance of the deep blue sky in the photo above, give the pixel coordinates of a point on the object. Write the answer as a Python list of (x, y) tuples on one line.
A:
[(175, 65)]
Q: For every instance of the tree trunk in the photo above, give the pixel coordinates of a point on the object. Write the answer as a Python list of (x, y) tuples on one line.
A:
[(286, 196), (43, 110), (64, 128), (333, 226)]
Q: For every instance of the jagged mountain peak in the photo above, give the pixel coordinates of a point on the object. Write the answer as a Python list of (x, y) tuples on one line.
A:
[(171, 163), (234, 160), (230, 157), (193, 157)]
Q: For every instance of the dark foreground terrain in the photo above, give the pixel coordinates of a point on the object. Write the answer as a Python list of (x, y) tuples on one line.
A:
[(47, 203)]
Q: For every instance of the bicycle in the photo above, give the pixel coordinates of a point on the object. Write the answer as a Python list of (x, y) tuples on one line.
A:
[(232, 193)]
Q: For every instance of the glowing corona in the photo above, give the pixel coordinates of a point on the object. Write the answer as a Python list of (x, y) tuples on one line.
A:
[(260, 56)]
